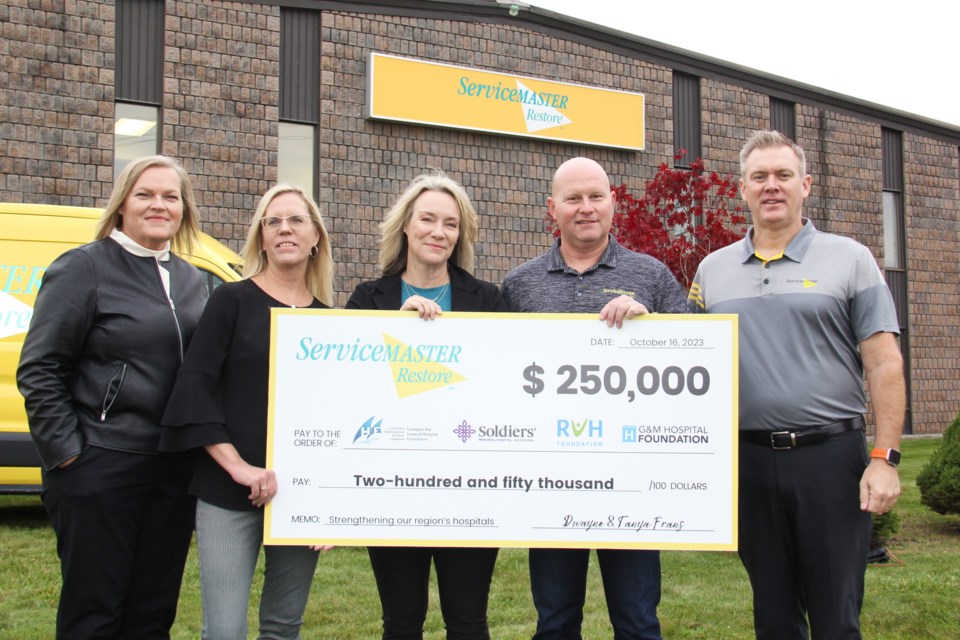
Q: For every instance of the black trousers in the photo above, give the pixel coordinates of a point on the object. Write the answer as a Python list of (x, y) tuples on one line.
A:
[(463, 580), (123, 523), (803, 538)]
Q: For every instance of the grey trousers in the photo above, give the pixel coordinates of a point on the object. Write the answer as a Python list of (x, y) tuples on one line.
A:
[(228, 545)]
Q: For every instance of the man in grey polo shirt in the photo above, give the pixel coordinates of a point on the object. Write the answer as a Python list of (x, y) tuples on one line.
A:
[(815, 315), (587, 271)]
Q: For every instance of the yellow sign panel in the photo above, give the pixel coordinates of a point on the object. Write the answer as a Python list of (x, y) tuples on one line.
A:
[(407, 90)]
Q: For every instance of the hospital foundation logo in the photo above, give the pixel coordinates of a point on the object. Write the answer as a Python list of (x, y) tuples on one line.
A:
[(494, 432), (587, 432), (373, 430), (464, 431), (368, 430)]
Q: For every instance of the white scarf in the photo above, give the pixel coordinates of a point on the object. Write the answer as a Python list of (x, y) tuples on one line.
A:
[(136, 249)]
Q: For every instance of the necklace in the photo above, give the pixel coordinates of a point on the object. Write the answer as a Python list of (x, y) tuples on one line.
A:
[(432, 293)]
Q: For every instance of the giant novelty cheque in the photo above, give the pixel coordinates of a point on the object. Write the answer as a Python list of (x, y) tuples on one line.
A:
[(503, 430)]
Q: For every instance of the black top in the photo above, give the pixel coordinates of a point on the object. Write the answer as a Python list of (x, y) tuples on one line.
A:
[(221, 391), (103, 349), (467, 293)]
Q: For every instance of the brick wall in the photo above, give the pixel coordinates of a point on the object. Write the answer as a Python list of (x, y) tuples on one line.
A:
[(220, 118), (56, 102), (932, 208), (729, 115), (844, 157), (366, 164), (220, 109)]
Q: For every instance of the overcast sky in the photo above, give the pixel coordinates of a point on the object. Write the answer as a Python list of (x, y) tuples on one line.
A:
[(904, 55)]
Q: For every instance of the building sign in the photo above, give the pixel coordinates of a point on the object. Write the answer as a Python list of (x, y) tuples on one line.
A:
[(441, 95)]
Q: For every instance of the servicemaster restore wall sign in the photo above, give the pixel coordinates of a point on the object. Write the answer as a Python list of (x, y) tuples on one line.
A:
[(442, 95)]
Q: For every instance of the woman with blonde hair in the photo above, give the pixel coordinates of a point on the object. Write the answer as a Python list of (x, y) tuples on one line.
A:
[(426, 254), (219, 405), (110, 326)]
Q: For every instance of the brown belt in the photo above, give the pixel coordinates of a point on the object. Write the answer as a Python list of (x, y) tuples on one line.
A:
[(802, 437)]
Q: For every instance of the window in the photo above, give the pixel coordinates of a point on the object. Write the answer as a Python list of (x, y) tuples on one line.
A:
[(139, 80), (299, 97), (894, 252), (296, 152), (892, 231), (686, 117), (783, 117), (895, 249), (134, 133)]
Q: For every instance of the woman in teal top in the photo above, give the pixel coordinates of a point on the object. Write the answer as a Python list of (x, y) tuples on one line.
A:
[(426, 254)]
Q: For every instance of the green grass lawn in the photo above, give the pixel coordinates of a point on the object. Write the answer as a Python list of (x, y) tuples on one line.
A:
[(705, 594)]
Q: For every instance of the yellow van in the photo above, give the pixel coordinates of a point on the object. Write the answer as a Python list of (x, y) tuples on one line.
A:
[(31, 236)]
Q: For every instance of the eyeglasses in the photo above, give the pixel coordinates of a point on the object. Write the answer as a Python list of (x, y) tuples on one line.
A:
[(296, 221)]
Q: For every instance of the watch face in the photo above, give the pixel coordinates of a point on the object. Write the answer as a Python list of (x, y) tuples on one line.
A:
[(892, 456)]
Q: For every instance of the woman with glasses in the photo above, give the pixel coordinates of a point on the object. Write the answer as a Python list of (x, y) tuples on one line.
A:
[(426, 254), (219, 404)]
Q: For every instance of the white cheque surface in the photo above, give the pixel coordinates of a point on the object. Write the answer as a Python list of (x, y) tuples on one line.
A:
[(507, 430)]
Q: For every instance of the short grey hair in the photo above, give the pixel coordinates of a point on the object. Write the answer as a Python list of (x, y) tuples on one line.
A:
[(765, 139)]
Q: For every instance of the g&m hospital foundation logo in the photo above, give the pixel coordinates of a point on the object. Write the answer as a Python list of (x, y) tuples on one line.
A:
[(587, 432)]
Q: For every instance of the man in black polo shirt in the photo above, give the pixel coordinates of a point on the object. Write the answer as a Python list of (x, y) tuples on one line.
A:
[(587, 271)]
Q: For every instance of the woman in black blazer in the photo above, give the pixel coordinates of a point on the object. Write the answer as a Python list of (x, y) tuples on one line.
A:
[(426, 254)]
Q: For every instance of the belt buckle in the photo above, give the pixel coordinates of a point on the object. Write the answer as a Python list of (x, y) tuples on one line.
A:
[(792, 442)]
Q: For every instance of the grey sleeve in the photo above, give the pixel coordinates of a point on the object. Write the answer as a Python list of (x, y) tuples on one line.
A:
[(507, 291), (671, 297)]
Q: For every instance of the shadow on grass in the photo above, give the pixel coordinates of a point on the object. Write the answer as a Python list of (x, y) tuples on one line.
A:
[(23, 516), (948, 526)]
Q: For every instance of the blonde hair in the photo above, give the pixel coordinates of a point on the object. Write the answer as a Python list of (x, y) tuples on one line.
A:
[(764, 139), (319, 275), (189, 230), (393, 241)]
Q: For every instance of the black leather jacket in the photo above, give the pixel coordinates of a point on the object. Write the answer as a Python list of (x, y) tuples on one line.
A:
[(103, 349)]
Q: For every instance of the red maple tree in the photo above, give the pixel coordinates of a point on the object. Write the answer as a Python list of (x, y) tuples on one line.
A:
[(683, 215)]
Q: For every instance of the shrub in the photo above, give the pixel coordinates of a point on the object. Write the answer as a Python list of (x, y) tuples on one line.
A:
[(885, 526), (939, 481)]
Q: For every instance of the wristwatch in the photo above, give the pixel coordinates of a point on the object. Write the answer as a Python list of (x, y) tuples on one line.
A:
[(892, 456)]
